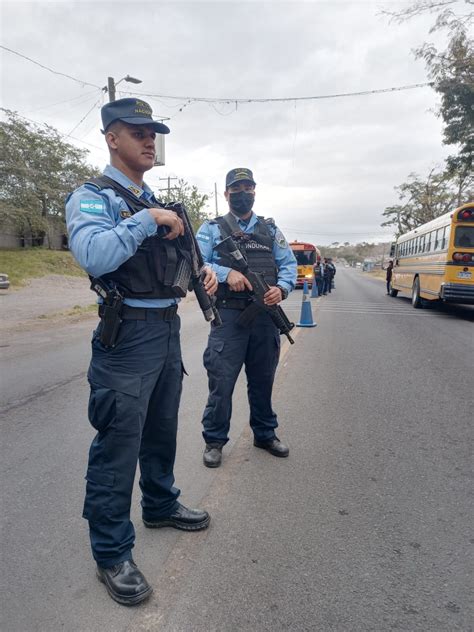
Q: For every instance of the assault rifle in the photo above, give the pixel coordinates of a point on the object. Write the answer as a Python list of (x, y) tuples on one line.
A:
[(230, 250), (189, 273)]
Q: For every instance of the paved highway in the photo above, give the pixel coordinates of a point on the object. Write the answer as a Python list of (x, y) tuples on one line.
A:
[(367, 526)]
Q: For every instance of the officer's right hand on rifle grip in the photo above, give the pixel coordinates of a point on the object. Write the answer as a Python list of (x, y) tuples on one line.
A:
[(237, 282), (165, 217), (209, 279)]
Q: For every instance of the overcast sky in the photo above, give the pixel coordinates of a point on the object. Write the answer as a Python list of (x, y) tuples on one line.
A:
[(325, 168)]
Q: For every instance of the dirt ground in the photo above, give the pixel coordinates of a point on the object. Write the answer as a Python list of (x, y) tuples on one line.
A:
[(43, 299), (47, 301)]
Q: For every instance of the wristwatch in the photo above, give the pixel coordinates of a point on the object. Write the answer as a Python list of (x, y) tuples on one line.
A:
[(284, 293)]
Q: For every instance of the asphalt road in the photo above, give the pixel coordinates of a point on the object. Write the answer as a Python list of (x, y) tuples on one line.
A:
[(367, 526)]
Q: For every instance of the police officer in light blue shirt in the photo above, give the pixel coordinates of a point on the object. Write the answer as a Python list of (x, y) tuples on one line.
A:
[(230, 346), (119, 233)]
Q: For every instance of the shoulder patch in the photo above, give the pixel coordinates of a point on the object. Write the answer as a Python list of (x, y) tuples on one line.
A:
[(280, 239), (125, 213), (94, 207), (203, 237)]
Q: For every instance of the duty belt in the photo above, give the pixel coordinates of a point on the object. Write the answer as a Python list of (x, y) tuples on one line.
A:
[(233, 303), (146, 313)]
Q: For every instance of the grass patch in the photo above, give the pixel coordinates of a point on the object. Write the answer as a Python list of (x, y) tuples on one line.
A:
[(77, 310), (22, 264)]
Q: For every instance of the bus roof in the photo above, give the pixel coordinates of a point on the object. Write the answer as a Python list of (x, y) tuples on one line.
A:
[(438, 222), (300, 245), (442, 220)]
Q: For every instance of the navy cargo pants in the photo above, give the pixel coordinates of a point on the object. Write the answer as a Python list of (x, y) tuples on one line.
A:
[(133, 405), (229, 347)]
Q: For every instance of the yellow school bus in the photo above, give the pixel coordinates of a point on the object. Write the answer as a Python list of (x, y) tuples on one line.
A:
[(436, 261), (306, 255)]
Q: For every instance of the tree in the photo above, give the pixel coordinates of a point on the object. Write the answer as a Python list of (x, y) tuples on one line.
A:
[(452, 73), (194, 201), (424, 200), (37, 171)]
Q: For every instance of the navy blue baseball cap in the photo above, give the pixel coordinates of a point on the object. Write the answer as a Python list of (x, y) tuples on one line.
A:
[(133, 112), (236, 175)]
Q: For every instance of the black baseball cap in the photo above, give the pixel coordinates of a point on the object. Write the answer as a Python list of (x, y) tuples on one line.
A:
[(133, 112), (236, 175)]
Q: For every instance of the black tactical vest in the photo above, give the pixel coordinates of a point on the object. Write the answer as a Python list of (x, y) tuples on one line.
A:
[(256, 247), (150, 272)]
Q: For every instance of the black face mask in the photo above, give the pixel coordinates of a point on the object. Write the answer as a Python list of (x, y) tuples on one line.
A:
[(241, 203)]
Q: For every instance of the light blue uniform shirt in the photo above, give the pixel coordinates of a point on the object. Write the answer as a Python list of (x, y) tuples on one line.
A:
[(209, 235), (102, 236)]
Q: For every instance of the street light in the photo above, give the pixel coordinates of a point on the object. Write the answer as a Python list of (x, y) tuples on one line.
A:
[(110, 87)]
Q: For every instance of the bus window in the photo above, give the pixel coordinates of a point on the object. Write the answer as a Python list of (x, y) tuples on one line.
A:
[(464, 237), (428, 242), (437, 245), (305, 257), (446, 232)]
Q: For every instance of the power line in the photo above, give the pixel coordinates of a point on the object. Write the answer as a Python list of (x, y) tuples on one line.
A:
[(85, 116), (82, 98), (62, 133), (235, 100), (55, 72)]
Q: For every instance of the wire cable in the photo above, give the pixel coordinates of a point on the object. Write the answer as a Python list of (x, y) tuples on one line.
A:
[(55, 72), (235, 100), (84, 117), (80, 99)]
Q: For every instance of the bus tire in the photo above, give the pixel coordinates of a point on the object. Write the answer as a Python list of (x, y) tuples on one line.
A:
[(416, 300)]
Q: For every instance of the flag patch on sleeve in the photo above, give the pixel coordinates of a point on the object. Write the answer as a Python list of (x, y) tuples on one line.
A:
[(203, 237), (96, 207), (280, 239)]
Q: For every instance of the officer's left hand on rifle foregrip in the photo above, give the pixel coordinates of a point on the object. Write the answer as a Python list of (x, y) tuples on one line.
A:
[(272, 296)]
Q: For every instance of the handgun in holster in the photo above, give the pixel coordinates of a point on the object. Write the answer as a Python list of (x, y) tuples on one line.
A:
[(110, 311)]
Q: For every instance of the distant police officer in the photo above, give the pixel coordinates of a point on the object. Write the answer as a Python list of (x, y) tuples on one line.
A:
[(232, 345), (136, 379), (318, 273)]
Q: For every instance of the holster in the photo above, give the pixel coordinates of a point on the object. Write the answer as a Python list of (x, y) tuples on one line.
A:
[(110, 316)]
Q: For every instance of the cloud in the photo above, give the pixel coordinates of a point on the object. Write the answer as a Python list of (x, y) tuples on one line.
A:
[(323, 167)]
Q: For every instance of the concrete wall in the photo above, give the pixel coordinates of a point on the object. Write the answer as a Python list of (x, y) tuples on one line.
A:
[(54, 238)]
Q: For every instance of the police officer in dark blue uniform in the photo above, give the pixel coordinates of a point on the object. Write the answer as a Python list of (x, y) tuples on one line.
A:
[(232, 345), (119, 234)]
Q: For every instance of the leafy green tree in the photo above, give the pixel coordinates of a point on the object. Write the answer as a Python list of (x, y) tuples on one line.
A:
[(37, 171), (424, 200), (452, 73), (194, 201)]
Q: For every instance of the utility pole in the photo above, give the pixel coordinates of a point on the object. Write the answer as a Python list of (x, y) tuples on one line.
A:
[(169, 178), (111, 85), (215, 198), (111, 88)]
